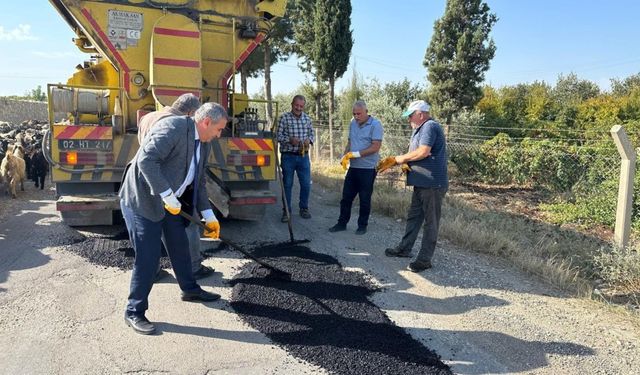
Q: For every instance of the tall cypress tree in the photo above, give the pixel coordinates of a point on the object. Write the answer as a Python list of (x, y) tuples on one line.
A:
[(302, 18), (459, 55), (332, 46)]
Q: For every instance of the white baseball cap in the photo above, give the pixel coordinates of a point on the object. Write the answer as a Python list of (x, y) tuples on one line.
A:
[(418, 105)]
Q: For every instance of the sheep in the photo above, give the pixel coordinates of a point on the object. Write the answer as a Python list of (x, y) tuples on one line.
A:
[(18, 151), (12, 170)]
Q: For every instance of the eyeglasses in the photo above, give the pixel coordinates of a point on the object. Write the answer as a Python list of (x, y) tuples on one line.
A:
[(411, 115)]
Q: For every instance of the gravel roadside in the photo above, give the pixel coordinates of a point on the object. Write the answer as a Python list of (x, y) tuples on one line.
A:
[(478, 313)]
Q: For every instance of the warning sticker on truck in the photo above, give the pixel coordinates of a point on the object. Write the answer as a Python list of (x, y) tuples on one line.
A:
[(124, 28)]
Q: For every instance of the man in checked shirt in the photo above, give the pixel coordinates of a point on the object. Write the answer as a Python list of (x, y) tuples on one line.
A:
[(295, 134)]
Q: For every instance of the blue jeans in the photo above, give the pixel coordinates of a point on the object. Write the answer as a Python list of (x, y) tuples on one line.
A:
[(358, 181), (145, 238), (293, 163)]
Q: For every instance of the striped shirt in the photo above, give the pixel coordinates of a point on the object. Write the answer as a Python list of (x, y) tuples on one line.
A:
[(292, 126)]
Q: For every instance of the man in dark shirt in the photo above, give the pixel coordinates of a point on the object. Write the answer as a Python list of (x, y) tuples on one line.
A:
[(427, 173)]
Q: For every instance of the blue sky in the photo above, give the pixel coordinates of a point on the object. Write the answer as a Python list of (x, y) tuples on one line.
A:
[(536, 40)]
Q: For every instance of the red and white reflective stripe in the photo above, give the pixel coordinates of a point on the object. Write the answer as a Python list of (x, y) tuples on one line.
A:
[(250, 201), (176, 62), (88, 158), (176, 32)]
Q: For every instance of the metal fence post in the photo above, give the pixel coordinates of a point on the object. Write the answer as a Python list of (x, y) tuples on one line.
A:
[(625, 187), (316, 149)]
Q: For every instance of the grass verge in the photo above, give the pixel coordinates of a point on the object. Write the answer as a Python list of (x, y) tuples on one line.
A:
[(566, 258)]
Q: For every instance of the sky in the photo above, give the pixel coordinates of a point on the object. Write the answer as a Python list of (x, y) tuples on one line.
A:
[(536, 41)]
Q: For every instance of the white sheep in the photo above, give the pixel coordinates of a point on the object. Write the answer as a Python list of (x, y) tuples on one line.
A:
[(13, 171)]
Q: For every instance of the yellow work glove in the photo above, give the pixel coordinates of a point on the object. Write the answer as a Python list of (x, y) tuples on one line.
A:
[(213, 229), (172, 204), (405, 168), (348, 156), (386, 163)]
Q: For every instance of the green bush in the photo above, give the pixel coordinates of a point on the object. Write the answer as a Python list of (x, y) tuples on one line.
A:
[(619, 267)]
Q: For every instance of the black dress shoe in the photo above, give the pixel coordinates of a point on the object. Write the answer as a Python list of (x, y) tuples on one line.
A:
[(203, 272), (139, 323), (338, 228), (418, 266), (361, 230), (200, 295)]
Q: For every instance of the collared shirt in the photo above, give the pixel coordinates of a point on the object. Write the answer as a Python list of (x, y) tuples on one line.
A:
[(292, 126), (430, 172), (360, 138), (190, 174)]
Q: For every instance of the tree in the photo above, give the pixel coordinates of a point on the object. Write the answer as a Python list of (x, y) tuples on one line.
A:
[(323, 41), (275, 48), (459, 55), (332, 47), (349, 96), (626, 86), (36, 94), (302, 21), (404, 92), (568, 93)]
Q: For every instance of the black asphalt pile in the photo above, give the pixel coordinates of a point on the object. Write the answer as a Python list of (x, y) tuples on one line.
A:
[(109, 251), (323, 316)]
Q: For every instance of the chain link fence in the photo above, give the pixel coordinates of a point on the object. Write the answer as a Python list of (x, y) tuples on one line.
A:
[(577, 178)]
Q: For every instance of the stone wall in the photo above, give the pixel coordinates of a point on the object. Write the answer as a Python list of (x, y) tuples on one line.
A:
[(16, 111)]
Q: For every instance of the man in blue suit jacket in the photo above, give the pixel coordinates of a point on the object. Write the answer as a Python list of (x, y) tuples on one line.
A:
[(168, 166)]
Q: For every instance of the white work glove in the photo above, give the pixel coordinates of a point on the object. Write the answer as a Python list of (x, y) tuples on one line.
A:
[(172, 204), (212, 224)]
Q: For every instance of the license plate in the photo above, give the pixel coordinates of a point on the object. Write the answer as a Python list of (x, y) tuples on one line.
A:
[(85, 144)]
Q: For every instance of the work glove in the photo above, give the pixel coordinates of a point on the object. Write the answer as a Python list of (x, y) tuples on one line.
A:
[(348, 156), (405, 168), (386, 163), (213, 229), (304, 148), (172, 204)]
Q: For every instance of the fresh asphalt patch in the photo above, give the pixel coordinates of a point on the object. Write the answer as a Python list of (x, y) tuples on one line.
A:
[(110, 250), (323, 315)]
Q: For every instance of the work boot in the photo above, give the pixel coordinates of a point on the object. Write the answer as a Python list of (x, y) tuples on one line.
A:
[(304, 212), (338, 228), (395, 252), (418, 265), (361, 230)]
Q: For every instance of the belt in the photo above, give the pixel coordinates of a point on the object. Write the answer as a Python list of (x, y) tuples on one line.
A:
[(292, 153)]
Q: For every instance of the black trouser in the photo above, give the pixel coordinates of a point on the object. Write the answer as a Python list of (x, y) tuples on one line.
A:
[(425, 210), (357, 182)]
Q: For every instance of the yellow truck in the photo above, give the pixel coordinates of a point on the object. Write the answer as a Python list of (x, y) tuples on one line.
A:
[(142, 55)]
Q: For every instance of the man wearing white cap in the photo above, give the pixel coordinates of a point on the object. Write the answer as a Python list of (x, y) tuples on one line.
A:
[(427, 173)]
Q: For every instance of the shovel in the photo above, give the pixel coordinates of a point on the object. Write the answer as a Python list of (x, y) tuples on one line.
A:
[(275, 272)]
